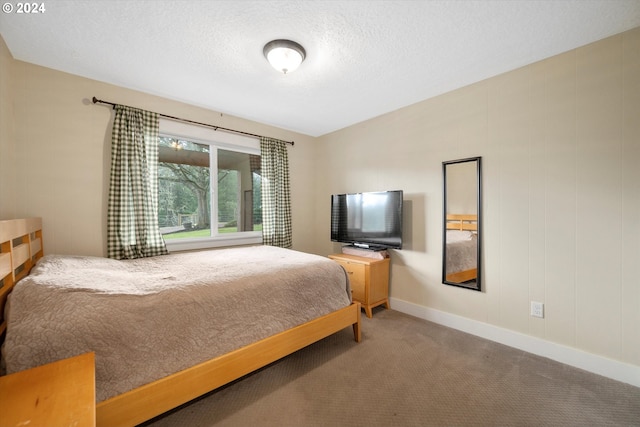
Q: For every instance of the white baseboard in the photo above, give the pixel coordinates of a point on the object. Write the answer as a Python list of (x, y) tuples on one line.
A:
[(600, 365)]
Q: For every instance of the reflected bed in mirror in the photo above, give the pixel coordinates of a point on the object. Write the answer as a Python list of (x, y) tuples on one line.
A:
[(461, 223)]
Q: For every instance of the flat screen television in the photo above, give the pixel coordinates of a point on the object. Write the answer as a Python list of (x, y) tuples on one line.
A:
[(370, 220)]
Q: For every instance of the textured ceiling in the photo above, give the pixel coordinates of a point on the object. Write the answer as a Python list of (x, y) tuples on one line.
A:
[(364, 58)]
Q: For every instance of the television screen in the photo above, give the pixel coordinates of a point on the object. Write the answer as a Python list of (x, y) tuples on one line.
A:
[(368, 220)]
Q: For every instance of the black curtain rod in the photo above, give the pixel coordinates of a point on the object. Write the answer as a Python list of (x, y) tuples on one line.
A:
[(96, 101)]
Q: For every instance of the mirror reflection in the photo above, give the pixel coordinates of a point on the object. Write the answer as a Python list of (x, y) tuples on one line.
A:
[(461, 223)]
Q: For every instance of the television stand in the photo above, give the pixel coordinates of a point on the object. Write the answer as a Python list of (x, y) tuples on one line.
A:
[(369, 280)]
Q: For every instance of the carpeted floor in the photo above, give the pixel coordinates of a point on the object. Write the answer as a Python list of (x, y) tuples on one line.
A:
[(410, 372)]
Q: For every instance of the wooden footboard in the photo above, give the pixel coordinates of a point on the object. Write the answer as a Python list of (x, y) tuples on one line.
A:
[(463, 276), (150, 400)]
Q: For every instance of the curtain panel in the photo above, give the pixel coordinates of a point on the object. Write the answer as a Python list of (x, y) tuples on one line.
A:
[(276, 200), (132, 217)]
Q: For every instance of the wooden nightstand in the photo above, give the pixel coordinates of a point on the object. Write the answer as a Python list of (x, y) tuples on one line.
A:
[(61, 393), (369, 279)]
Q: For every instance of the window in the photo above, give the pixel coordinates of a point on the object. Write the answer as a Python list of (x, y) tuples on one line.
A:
[(208, 191)]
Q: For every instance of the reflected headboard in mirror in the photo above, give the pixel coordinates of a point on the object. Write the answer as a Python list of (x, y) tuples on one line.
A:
[(462, 222), (461, 248)]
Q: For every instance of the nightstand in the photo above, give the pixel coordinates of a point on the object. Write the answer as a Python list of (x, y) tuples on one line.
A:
[(61, 393), (369, 279)]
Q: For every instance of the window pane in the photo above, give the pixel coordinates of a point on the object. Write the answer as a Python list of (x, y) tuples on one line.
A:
[(238, 192), (183, 189)]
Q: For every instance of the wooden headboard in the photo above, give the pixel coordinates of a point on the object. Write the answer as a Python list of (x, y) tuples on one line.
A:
[(20, 248), (462, 222)]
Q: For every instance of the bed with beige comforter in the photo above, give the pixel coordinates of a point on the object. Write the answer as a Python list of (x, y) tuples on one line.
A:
[(148, 318)]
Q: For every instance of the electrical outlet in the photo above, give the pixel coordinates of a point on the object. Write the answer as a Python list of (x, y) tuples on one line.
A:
[(537, 309)]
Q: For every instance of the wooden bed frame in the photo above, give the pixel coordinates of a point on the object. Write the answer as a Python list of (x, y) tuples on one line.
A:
[(21, 247), (468, 222)]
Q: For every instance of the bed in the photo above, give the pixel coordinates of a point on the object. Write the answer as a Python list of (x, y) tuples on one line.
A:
[(185, 323), (461, 248)]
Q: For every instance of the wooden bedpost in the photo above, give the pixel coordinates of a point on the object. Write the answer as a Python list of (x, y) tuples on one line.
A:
[(356, 326)]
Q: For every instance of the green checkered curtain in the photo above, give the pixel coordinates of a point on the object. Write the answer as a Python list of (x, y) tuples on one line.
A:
[(276, 201), (132, 218)]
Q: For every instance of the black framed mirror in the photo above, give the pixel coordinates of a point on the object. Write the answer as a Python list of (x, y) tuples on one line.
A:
[(462, 223)]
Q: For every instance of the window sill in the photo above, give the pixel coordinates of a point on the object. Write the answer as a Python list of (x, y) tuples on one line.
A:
[(213, 242)]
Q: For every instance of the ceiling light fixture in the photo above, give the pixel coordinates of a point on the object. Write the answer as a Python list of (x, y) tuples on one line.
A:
[(284, 55)]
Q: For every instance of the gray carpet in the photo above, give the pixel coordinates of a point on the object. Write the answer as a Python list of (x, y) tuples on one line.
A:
[(410, 372)]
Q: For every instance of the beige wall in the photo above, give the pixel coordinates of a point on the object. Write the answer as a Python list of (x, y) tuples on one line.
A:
[(7, 137), (560, 142), (62, 153)]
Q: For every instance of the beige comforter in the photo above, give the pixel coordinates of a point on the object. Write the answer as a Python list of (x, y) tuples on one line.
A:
[(151, 317), (462, 251)]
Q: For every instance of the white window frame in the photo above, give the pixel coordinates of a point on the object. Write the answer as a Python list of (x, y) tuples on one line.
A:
[(218, 140)]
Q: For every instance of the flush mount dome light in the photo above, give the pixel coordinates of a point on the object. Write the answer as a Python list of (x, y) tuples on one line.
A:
[(284, 55)]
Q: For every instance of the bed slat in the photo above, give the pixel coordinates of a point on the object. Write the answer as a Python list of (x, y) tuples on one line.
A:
[(5, 264), (36, 245), (20, 255)]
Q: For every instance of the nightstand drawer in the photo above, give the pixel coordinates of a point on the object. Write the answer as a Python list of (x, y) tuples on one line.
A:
[(354, 271), (356, 275), (357, 291)]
